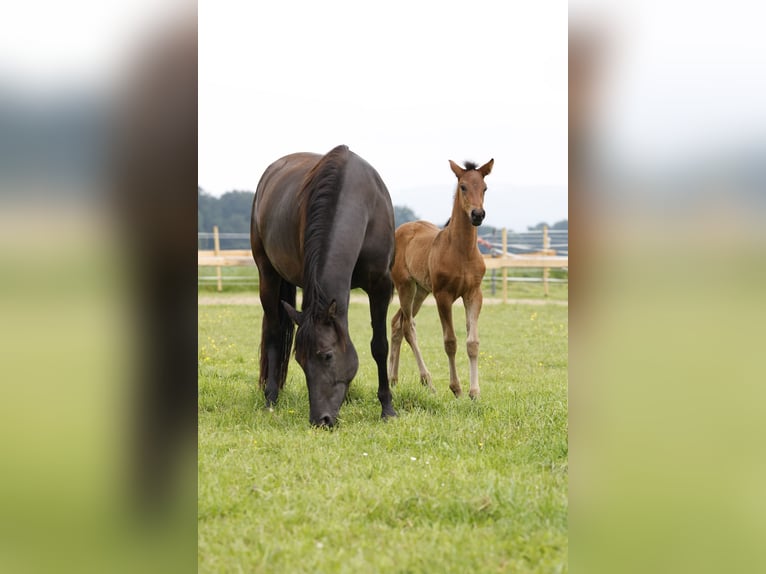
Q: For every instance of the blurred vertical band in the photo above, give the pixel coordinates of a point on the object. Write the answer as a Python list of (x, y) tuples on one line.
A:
[(155, 206), (668, 319), (98, 170)]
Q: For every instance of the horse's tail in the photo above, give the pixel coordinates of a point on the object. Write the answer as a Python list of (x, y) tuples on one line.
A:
[(286, 328)]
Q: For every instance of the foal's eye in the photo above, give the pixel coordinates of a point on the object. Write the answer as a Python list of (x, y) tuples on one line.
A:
[(463, 188)]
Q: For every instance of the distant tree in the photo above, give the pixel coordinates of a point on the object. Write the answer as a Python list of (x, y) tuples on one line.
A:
[(207, 210), (488, 230), (230, 212), (403, 214), (538, 227), (235, 209), (563, 224)]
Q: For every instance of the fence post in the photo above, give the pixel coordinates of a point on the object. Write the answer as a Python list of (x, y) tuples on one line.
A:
[(505, 269), (217, 252), (546, 246)]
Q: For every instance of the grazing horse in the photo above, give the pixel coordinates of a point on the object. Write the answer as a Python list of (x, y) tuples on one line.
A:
[(448, 264), (325, 224)]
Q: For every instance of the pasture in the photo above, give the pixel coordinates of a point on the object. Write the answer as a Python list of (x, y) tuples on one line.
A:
[(448, 486)]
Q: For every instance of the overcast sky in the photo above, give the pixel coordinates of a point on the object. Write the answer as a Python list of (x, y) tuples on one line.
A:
[(409, 85), (406, 85)]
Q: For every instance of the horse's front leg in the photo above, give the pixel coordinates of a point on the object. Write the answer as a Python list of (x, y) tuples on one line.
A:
[(380, 296), (472, 304)]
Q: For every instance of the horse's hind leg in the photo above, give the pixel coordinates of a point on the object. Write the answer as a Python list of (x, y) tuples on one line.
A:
[(380, 295), (276, 331)]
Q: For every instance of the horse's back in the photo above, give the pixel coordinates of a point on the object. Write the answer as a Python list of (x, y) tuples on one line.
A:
[(276, 218), (280, 185), (360, 226)]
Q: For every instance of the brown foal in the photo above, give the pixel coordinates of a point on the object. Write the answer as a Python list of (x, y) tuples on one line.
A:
[(448, 264)]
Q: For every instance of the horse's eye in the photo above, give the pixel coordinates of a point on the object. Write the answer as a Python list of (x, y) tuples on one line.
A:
[(463, 188), (325, 356)]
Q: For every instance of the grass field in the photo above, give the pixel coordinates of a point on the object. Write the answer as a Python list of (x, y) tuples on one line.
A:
[(448, 486)]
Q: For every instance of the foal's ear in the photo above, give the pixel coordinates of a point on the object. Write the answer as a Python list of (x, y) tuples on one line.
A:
[(486, 169), (456, 169), (295, 315)]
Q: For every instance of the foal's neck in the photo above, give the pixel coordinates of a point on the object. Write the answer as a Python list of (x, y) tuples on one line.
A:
[(460, 229)]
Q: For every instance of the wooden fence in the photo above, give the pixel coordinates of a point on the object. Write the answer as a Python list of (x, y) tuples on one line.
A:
[(544, 259)]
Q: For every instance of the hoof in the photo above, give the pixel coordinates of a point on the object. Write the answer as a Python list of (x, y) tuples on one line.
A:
[(457, 392), (388, 414), (473, 395)]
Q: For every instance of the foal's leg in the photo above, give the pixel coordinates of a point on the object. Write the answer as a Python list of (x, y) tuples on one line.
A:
[(396, 346), (472, 304), (412, 338), (444, 303), (411, 297), (380, 296), (406, 291)]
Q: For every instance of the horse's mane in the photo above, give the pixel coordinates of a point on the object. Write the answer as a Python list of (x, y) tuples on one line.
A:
[(319, 198), (469, 165)]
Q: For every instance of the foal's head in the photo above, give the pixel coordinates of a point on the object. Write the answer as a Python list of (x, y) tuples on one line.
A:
[(471, 188)]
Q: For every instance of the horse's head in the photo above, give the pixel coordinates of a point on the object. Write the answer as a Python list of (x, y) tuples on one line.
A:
[(328, 358), (471, 188)]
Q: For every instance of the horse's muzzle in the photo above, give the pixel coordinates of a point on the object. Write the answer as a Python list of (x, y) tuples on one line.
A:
[(477, 216), (323, 421)]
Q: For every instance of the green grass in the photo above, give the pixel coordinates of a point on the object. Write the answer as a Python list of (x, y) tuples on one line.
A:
[(448, 486)]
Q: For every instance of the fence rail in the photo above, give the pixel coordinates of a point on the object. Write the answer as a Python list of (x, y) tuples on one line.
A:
[(529, 250)]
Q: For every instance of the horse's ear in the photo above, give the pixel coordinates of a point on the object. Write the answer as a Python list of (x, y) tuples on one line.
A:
[(331, 310), (456, 169), (486, 169), (295, 315)]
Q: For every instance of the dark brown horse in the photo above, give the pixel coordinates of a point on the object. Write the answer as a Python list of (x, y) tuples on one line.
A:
[(449, 264), (325, 224)]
